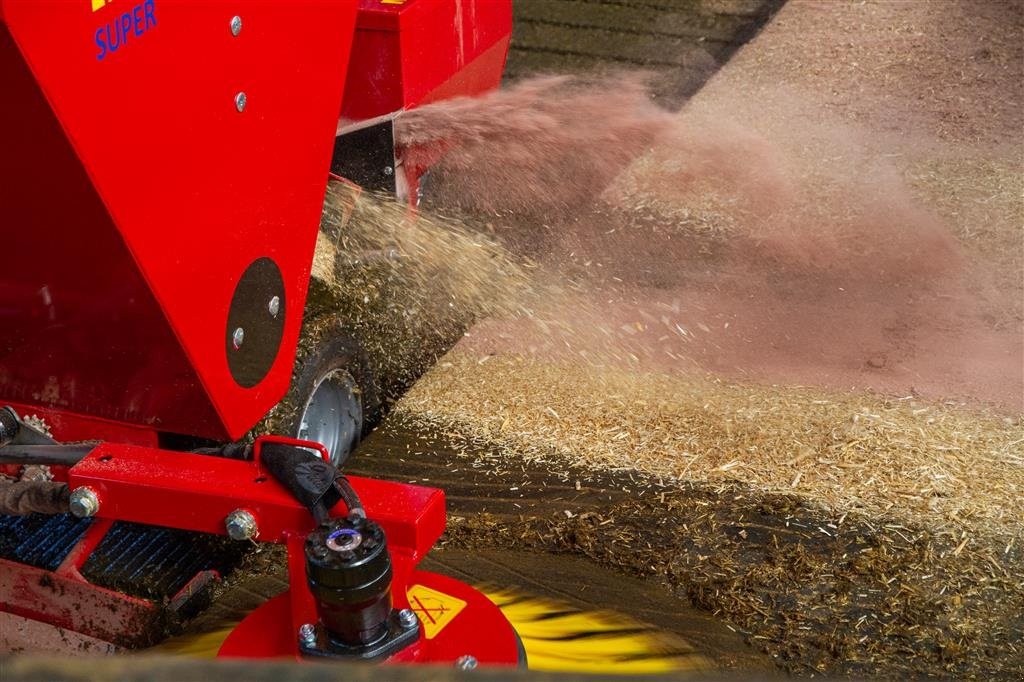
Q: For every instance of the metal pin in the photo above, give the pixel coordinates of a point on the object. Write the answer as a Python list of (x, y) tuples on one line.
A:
[(274, 307), (238, 338)]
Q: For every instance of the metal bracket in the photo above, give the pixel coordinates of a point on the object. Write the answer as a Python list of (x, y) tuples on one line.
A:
[(399, 636)]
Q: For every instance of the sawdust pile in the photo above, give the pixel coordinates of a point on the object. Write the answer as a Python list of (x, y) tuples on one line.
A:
[(820, 592), (900, 457)]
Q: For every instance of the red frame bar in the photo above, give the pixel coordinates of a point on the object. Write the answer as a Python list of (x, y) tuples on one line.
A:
[(196, 492)]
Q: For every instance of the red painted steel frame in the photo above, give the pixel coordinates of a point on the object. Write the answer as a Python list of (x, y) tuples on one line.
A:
[(196, 492)]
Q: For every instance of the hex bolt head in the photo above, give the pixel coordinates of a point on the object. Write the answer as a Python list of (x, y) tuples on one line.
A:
[(274, 306), (240, 102), (408, 618), (84, 502), (238, 338), (307, 634), (241, 525), (236, 25), (388, 170), (466, 663)]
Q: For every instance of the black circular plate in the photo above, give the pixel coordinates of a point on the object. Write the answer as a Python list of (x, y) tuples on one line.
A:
[(252, 351)]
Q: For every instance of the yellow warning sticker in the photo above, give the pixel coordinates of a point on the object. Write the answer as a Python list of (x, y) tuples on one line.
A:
[(435, 609)]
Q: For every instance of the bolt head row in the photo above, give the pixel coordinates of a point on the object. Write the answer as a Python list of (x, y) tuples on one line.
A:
[(273, 307)]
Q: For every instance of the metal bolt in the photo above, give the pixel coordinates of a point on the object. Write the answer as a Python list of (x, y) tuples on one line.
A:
[(240, 102), (408, 618), (466, 663), (307, 634), (236, 25), (238, 338), (84, 502), (241, 525), (388, 170), (274, 307)]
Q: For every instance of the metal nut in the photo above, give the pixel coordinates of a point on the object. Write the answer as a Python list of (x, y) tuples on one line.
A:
[(274, 306), (466, 663), (84, 502), (241, 525), (408, 618), (238, 338), (307, 634), (240, 102), (236, 25)]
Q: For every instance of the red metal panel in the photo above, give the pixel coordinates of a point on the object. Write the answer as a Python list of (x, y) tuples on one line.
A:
[(79, 328), (196, 492), (197, 190), (418, 51)]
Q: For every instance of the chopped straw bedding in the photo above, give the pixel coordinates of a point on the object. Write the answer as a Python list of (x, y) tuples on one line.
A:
[(943, 464)]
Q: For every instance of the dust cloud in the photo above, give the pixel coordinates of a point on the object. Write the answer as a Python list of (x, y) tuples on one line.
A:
[(685, 242)]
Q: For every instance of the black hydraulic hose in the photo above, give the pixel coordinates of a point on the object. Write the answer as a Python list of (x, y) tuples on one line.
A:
[(65, 455), (349, 497)]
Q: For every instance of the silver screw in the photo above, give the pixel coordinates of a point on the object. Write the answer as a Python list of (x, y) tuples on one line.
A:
[(307, 634), (240, 102), (408, 618), (466, 663), (84, 502), (236, 25), (241, 525), (388, 170), (238, 338), (274, 307)]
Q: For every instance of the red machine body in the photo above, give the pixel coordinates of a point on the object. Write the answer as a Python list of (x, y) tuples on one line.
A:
[(140, 194), (163, 170), (136, 193)]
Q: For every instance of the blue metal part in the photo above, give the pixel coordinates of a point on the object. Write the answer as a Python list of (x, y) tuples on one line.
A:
[(156, 563), (40, 540)]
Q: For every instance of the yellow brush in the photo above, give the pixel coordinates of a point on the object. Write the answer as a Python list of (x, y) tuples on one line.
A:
[(555, 635), (559, 637)]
